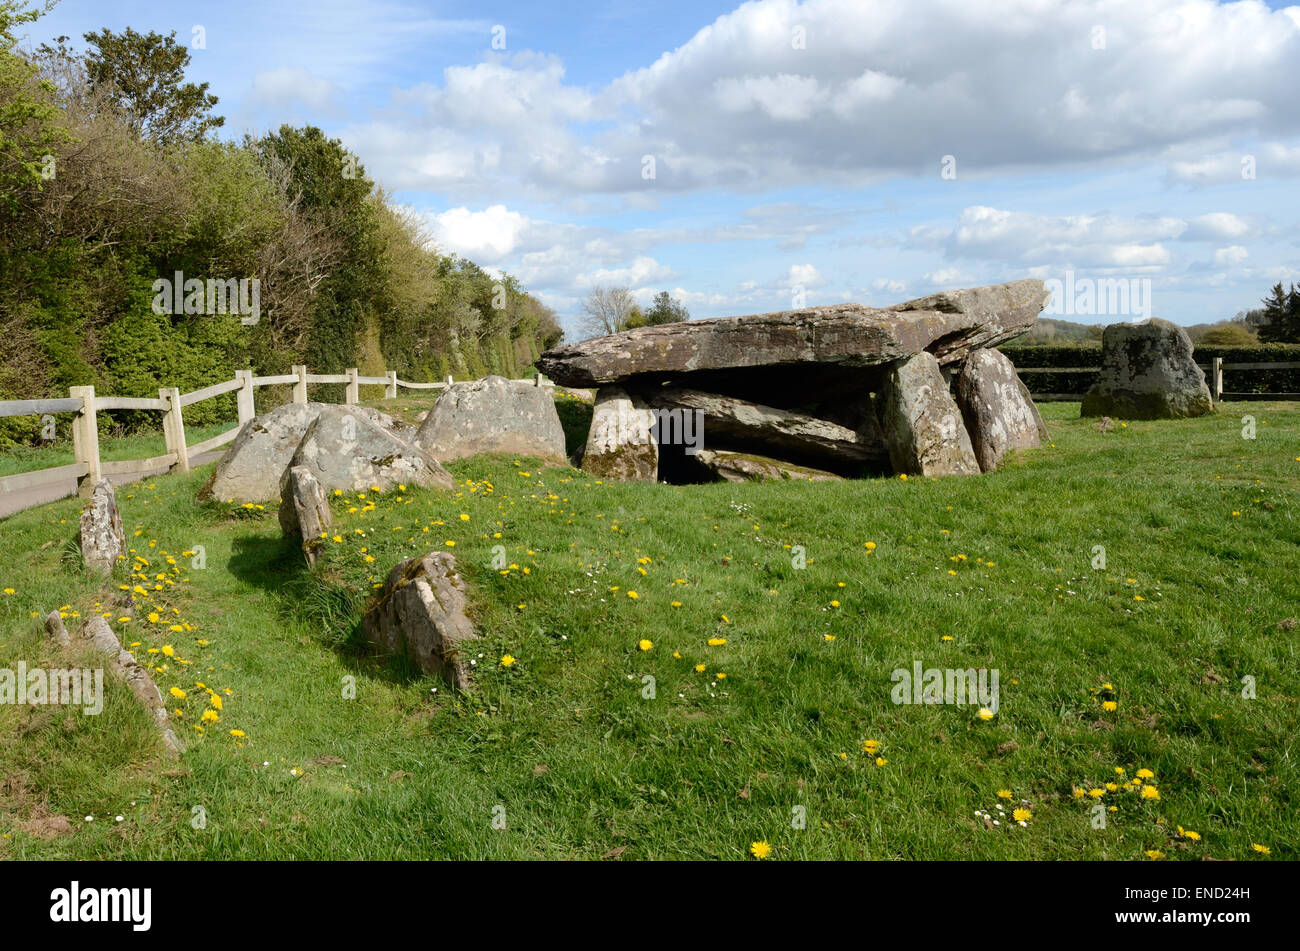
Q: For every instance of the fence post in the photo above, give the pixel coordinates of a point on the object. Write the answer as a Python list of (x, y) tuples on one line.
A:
[(85, 438), (449, 379), (300, 388), (537, 380), (244, 397), (1216, 378), (390, 388), (354, 388), (174, 428)]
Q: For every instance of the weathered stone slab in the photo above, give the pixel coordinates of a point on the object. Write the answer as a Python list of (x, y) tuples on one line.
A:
[(923, 425), (1147, 372), (732, 423), (124, 664), (847, 335), (747, 467), (304, 510), (621, 443), (996, 407), (420, 613), (251, 468), (102, 538), (346, 450), (493, 415)]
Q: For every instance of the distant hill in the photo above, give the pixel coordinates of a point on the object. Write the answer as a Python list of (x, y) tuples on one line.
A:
[(1050, 332)]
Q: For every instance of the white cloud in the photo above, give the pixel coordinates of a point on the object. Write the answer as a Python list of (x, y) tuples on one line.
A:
[(483, 236), (1229, 256), (637, 275), (1028, 239), (881, 88), (804, 275)]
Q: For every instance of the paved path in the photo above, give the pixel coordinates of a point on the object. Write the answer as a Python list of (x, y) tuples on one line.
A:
[(11, 502)]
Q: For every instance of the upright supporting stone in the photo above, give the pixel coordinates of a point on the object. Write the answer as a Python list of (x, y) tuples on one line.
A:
[(85, 439), (390, 388), (1216, 391), (353, 396), (300, 388), (174, 428), (245, 396)]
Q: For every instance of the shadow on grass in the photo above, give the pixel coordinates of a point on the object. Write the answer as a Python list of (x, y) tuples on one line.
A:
[(331, 609)]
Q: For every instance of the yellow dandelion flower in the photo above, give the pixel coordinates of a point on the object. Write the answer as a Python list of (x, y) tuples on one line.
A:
[(1022, 815), (507, 660), (760, 850), (645, 645)]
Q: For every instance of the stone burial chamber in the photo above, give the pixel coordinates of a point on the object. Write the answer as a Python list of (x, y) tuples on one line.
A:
[(831, 392)]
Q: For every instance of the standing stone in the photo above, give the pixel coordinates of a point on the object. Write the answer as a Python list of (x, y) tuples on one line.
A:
[(1147, 372), (922, 424), (102, 538), (420, 613), (348, 451), (304, 512), (621, 444), (996, 407), (493, 415), (55, 630), (251, 468)]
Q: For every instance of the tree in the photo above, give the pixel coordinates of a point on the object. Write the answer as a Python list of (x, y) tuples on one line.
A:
[(29, 115), (1227, 335), (665, 310), (607, 310), (144, 74), (1281, 316)]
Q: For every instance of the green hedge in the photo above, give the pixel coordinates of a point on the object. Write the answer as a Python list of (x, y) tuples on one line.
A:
[(1234, 381)]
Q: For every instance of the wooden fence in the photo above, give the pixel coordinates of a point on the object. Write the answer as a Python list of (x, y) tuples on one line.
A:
[(82, 401), (1215, 371)]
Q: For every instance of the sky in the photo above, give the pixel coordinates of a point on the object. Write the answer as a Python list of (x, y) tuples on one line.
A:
[(774, 154)]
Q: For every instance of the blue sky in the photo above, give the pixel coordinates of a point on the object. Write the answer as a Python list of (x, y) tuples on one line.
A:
[(798, 148)]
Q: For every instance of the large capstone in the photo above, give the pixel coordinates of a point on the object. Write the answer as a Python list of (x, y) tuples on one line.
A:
[(949, 324), (493, 415), (346, 450), (997, 409), (923, 426), (1147, 372), (250, 469), (420, 613)]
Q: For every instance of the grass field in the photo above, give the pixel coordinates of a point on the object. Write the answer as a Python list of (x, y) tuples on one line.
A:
[(771, 718)]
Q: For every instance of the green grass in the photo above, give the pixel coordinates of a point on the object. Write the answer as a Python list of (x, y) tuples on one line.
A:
[(1200, 528)]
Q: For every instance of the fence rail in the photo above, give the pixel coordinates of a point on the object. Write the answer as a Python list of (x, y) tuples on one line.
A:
[(85, 405), (1216, 368)]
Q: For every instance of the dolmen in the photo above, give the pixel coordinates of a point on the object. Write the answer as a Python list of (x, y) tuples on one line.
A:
[(821, 392)]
